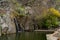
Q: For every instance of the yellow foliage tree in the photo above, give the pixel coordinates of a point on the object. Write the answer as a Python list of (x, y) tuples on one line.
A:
[(54, 12)]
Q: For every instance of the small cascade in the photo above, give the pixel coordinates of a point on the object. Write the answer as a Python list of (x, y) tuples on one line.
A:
[(18, 26)]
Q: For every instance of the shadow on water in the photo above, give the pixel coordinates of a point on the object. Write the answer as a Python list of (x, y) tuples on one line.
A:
[(25, 36)]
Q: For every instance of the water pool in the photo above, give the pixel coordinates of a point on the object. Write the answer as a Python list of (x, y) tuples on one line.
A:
[(25, 36)]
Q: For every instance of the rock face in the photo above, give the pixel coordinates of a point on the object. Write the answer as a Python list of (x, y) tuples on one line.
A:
[(10, 24), (7, 24)]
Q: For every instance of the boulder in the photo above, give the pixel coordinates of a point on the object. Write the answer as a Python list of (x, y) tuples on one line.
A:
[(50, 37)]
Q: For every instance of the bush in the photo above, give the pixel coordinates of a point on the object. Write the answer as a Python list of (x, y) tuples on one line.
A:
[(49, 21)]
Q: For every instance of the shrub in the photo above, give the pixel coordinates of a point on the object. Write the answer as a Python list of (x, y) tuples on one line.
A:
[(50, 20)]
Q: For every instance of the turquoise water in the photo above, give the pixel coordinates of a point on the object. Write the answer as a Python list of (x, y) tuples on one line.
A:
[(25, 36)]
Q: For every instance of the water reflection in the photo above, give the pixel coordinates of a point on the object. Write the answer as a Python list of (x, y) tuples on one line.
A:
[(25, 36)]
